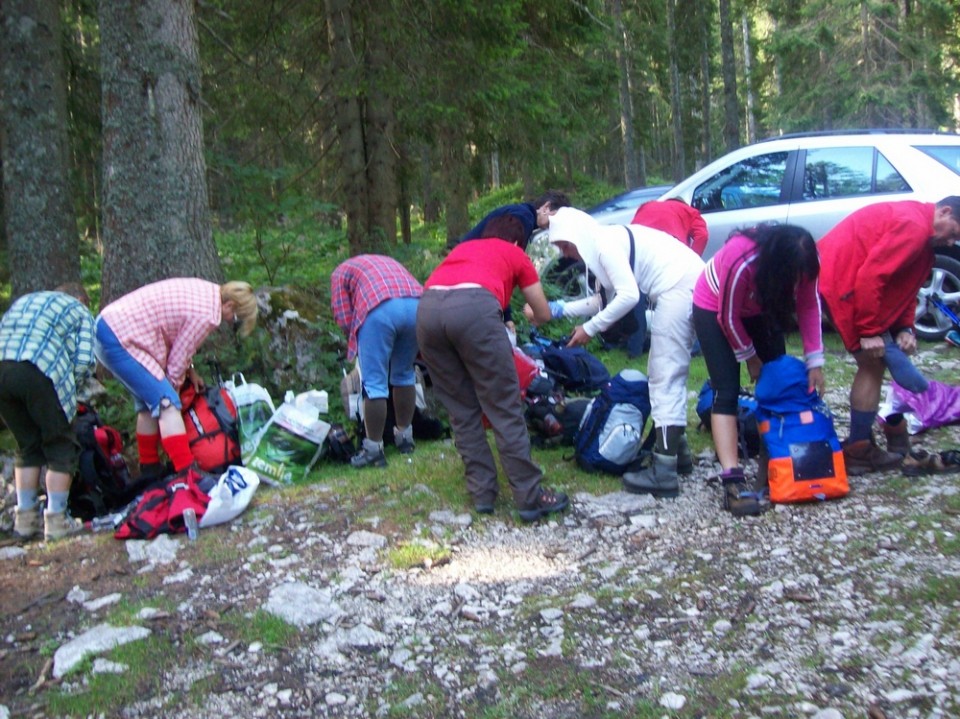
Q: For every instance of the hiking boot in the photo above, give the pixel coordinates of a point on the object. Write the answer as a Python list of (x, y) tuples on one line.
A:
[(864, 456), (404, 440), (684, 458), (548, 502), (26, 522), (370, 455), (738, 497), (898, 438), (660, 479), (57, 525)]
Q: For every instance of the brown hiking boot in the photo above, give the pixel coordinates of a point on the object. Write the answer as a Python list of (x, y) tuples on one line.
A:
[(864, 456), (898, 437)]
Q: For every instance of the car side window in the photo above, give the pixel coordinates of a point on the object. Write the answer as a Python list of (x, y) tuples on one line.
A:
[(754, 182), (848, 172), (949, 155)]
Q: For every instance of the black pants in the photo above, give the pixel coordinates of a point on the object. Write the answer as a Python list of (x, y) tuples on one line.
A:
[(31, 409), (722, 365)]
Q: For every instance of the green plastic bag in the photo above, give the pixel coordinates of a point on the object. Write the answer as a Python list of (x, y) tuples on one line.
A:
[(289, 445)]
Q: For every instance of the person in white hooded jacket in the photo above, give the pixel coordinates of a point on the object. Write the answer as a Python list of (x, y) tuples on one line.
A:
[(628, 260)]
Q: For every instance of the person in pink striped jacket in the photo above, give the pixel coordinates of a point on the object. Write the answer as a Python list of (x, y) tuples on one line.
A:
[(147, 340)]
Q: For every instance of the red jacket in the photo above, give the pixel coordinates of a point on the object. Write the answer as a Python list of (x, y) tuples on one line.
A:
[(677, 219), (872, 264)]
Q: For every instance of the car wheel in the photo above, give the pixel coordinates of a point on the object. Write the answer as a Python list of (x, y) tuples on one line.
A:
[(944, 282)]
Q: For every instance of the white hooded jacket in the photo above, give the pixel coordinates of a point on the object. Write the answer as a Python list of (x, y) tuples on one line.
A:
[(661, 263)]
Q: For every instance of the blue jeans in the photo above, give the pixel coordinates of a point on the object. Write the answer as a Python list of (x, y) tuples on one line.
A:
[(902, 369), (148, 391), (387, 346)]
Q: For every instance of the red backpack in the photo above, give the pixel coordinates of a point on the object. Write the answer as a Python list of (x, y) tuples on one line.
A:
[(213, 431), (160, 510)]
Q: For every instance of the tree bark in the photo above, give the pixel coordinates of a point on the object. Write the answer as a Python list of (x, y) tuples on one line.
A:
[(379, 133), (748, 81), (630, 174), (349, 121), (156, 212), (454, 184), (679, 156), (728, 64), (39, 223)]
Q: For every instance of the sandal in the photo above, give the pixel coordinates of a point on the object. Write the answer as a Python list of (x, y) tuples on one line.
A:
[(921, 462)]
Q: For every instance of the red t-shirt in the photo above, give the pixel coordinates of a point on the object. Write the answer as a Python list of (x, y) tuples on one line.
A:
[(496, 265)]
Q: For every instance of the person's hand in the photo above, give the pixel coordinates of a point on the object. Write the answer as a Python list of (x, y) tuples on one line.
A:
[(815, 381), (579, 337), (872, 346), (528, 313), (907, 342), (754, 365), (511, 326), (195, 379)]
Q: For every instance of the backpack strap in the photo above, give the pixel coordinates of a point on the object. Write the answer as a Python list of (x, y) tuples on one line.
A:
[(633, 266)]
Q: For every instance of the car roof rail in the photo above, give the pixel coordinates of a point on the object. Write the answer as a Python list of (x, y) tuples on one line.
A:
[(861, 131)]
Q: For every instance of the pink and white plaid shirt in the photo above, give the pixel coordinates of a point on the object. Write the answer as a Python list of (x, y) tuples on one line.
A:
[(163, 324)]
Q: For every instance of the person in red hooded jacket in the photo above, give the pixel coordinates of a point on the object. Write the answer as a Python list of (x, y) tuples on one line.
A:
[(677, 218), (872, 264)]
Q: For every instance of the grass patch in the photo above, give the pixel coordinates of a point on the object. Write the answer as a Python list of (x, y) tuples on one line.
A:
[(147, 661), (260, 626), (416, 554)]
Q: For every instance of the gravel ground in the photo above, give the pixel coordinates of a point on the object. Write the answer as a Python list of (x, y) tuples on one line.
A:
[(624, 606)]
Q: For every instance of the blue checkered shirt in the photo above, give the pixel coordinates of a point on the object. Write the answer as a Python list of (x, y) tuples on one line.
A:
[(53, 331)]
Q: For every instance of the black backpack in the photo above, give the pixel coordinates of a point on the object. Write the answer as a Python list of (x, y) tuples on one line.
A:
[(102, 483)]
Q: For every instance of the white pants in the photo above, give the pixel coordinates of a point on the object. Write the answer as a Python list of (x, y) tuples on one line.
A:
[(671, 339)]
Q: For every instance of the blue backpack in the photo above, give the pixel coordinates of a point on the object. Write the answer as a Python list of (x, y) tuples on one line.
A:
[(747, 431), (574, 368), (804, 459), (610, 435)]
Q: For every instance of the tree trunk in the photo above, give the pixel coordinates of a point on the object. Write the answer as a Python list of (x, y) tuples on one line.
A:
[(347, 116), (39, 222), (728, 64), (630, 175), (378, 132), (706, 145), (748, 81), (679, 156), (156, 212), (454, 184)]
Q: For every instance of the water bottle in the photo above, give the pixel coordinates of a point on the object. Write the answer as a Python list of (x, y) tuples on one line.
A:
[(190, 519)]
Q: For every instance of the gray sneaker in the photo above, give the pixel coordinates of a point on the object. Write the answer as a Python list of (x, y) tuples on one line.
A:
[(370, 455), (26, 522), (404, 440), (58, 525)]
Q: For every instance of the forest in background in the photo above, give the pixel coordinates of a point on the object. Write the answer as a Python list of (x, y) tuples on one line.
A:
[(280, 124)]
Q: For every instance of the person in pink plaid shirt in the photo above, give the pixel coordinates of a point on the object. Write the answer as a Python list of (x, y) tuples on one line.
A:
[(147, 340)]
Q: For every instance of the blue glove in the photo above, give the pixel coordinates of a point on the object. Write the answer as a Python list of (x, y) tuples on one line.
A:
[(556, 308)]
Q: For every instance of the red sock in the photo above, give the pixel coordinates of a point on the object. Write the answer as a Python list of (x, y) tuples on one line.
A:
[(178, 450), (148, 448)]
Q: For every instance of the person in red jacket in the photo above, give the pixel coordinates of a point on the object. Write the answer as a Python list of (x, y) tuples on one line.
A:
[(872, 264), (677, 218)]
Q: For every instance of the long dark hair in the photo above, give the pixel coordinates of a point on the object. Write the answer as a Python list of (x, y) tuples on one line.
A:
[(787, 254)]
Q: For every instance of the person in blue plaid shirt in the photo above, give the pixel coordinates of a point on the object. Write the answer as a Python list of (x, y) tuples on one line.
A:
[(46, 354)]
